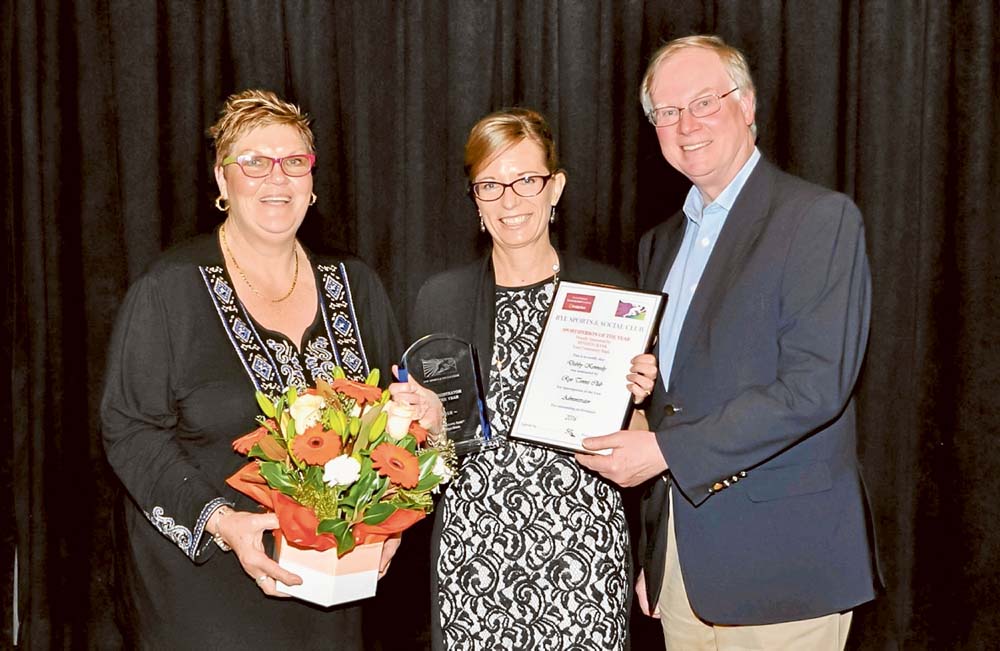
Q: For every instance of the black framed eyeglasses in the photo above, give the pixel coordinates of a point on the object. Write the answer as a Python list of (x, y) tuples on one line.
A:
[(526, 186), (257, 167), (702, 107)]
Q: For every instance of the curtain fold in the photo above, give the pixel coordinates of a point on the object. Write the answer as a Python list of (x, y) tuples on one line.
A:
[(104, 112)]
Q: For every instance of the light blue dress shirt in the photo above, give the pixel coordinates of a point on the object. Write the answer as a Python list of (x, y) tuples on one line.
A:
[(704, 223)]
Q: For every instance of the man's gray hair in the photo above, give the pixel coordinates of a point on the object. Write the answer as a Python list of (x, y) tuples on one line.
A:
[(734, 61)]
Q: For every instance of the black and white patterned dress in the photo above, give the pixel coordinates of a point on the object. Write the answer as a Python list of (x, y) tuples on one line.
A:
[(533, 550)]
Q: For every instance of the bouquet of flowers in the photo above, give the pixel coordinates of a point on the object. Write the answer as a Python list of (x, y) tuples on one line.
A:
[(341, 464)]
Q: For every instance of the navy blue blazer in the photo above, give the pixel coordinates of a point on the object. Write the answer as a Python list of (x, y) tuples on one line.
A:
[(757, 422)]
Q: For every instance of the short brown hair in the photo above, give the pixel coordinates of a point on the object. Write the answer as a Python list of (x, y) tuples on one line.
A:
[(503, 129), (732, 59), (253, 108)]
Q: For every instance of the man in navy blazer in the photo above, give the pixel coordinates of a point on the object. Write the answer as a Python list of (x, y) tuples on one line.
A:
[(754, 533)]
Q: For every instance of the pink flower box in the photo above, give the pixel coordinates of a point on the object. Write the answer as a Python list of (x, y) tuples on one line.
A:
[(326, 579)]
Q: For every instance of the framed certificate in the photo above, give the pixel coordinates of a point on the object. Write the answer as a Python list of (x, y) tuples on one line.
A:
[(576, 384)]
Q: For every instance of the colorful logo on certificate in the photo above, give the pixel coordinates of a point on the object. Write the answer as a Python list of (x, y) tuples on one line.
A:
[(578, 302), (631, 311)]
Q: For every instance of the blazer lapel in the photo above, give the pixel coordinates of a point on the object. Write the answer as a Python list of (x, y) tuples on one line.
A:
[(665, 246), (743, 227)]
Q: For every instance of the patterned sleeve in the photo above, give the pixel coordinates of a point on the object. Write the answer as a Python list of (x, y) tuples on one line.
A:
[(139, 416)]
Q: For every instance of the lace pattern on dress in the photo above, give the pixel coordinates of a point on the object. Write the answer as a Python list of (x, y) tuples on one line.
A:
[(534, 549)]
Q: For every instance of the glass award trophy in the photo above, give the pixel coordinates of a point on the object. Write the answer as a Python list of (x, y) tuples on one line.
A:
[(449, 366)]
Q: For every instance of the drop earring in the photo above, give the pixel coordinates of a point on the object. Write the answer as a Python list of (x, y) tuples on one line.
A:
[(482, 224), (312, 199), (552, 215)]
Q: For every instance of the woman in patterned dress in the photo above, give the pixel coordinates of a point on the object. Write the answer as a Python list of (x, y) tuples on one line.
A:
[(530, 551), (217, 317)]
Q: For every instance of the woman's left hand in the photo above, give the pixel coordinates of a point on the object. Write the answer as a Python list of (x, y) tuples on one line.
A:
[(427, 408), (642, 376)]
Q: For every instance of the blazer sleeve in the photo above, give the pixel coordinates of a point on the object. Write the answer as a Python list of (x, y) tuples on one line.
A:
[(822, 332), (139, 419)]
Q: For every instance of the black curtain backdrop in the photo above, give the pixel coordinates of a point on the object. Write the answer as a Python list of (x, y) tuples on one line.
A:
[(104, 111)]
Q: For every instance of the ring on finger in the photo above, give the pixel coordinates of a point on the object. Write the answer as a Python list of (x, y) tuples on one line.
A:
[(262, 578)]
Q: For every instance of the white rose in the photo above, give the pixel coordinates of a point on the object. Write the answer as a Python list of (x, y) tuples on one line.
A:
[(341, 471), (306, 411), (441, 469), (400, 417)]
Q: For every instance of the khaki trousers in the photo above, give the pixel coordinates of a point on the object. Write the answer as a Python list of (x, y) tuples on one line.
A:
[(683, 630)]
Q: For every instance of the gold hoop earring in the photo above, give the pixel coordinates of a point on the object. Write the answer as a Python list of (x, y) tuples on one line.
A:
[(312, 200), (221, 203)]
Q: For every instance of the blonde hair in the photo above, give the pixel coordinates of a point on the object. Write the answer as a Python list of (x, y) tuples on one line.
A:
[(499, 131), (732, 59), (253, 108)]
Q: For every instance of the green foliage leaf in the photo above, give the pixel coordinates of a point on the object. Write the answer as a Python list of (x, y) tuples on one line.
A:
[(265, 404), (345, 542), (292, 394), (278, 477), (360, 493), (336, 526), (413, 500), (337, 421), (426, 461), (381, 485), (341, 530), (377, 513), (314, 478), (427, 483), (363, 428), (257, 452)]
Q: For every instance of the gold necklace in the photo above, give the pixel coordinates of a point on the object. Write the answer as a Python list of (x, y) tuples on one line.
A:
[(239, 270)]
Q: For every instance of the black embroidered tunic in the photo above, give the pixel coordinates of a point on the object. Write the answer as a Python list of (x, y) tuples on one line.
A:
[(183, 365)]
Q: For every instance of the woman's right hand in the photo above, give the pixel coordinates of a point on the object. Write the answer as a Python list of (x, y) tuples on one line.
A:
[(244, 532)]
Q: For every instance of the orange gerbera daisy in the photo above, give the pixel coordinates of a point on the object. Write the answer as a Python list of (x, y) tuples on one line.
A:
[(418, 432), (316, 445), (244, 443), (399, 465), (361, 392)]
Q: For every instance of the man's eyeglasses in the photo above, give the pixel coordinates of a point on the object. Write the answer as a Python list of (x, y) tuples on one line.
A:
[(702, 107), (526, 186), (257, 167)]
